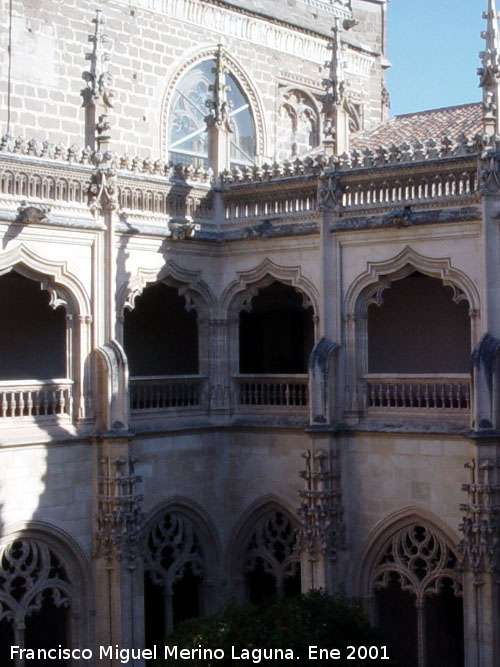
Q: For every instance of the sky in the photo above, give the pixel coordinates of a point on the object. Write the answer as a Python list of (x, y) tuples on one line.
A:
[(434, 47)]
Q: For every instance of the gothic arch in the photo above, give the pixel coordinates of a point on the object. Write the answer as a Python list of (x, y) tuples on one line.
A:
[(368, 287), (38, 541), (189, 284), (203, 523), (205, 53), (238, 294), (380, 537), (180, 541), (64, 287), (252, 519)]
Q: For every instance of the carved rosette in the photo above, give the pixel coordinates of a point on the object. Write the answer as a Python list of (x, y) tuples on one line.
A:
[(119, 514), (479, 549), (321, 512)]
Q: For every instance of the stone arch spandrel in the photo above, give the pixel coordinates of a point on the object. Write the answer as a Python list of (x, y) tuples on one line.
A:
[(385, 530), (191, 58)]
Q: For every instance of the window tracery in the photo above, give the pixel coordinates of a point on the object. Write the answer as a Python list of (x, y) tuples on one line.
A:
[(419, 591), (188, 137), (32, 579), (271, 560), (174, 570), (421, 559), (298, 124)]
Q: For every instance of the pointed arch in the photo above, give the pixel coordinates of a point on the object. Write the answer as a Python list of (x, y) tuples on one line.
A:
[(247, 542), (188, 283), (181, 565), (382, 534), (189, 60), (64, 287), (249, 282), (368, 287), (41, 542)]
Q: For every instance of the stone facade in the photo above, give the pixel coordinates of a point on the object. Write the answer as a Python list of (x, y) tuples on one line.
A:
[(206, 417)]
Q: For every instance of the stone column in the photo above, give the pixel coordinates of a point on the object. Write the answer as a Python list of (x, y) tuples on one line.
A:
[(480, 556), (321, 512), (118, 569)]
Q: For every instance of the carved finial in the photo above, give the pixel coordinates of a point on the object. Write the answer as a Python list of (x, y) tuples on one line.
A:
[(98, 94), (489, 73), (219, 106), (336, 119)]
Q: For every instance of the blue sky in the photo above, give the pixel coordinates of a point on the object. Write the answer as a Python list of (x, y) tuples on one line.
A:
[(434, 46)]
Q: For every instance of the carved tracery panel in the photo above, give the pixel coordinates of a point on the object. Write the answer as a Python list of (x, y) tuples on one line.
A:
[(271, 559), (174, 568), (298, 124), (421, 559), (419, 591), (33, 579)]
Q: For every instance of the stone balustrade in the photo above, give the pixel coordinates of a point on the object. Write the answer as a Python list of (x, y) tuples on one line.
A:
[(421, 392), (164, 392), (35, 398), (278, 391)]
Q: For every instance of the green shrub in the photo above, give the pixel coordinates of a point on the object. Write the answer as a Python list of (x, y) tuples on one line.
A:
[(292, 624)]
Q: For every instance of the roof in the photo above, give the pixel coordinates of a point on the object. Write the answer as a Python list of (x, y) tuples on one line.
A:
[(423, 125)]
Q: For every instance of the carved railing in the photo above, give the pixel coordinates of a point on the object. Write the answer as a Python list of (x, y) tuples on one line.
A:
[(277, 391), (274, 205), (384, 190), (164, 392), (35, 398), (448, 391)]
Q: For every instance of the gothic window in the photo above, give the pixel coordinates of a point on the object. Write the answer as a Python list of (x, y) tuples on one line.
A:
[(35, 599), (271, 562), (174, 574), (188, 140), (298, 125), (419, 325), (418, 593), (277, 333)]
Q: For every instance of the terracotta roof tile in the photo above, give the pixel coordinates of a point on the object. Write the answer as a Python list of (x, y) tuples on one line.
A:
[(432, 124)]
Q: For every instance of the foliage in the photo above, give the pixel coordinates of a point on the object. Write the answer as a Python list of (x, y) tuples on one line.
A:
[(314, 619)]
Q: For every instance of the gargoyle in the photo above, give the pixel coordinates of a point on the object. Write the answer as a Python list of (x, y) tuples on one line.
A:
[(32, 214)]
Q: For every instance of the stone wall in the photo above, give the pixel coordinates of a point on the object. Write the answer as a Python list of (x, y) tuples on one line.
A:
[(151, 42)]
